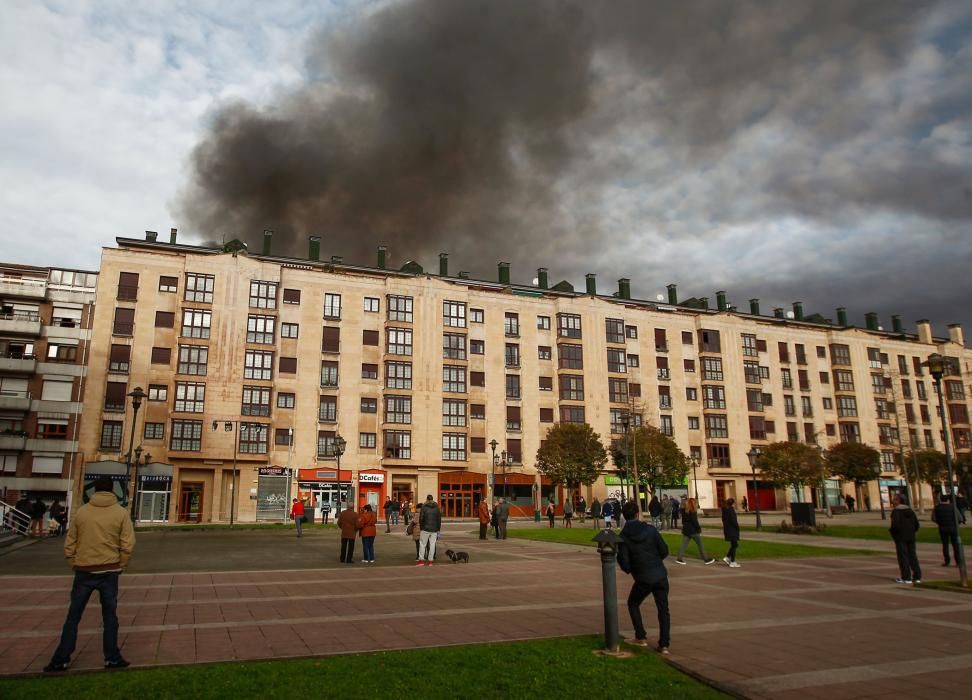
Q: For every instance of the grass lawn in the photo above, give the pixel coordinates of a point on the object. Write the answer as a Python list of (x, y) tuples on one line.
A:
[(562, 668), (226, 526), (927, 534), (714, 546)]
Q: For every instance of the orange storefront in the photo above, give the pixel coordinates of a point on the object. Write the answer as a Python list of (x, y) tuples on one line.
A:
[(460, 494)]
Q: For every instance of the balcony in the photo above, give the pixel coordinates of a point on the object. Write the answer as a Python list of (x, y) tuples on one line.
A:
[(23, 287), (13, 441), (18, 364), (15, 401), (20, 324), (51, 445)]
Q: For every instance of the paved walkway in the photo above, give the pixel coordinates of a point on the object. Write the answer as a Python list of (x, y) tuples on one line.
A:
[(807, 628)]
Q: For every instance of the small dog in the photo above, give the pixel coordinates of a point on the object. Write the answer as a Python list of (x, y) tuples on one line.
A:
[(457, 556)]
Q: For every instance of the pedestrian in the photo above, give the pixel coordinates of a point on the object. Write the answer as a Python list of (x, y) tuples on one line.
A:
[(676, 512), (596, 513), (568, 512), (904, 527), (692, 531), (367, 522), (730, 531), (867, 502), (494, 518), (326, 512), (37, 512), (58, 516), (849, 501), (641, 553), (582, 509), (430, 522), (396, 510), (100, 541), (551, 511), (654, 510), (484, 518), (348, 522), (415, 530), (502, 517), (607, 510), (666, 516), (388, 508), (297, 513), (745, 504), (962, 504), (944, 517)]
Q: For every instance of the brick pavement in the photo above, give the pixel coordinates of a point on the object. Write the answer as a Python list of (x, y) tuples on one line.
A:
[(830, 627)]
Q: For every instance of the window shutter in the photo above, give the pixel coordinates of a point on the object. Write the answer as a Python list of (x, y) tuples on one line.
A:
[(477, 378), (546, 415), (291, 296), (332, 339), (160, 356), (369, 338), (120, 353), (661, 362), (477, 444), (635, 390), (164, 319), (546, 383), (512, 413), (288, 365)]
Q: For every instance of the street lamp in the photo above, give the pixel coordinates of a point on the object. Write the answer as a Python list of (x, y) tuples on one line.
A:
[(505, 461), (339, 444), (936, 366), (695, 478), (492, 445), (138, 462), (753, 455), (877, 474), (823, 483), (136, 395), (628, 425)]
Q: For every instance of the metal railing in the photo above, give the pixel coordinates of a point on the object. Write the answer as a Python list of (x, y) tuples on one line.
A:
[(13, 521)]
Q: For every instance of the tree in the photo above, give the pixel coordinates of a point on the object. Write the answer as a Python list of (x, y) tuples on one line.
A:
[(571, 454), (930, 465), (793, 463), (659, 459), (853, 461)]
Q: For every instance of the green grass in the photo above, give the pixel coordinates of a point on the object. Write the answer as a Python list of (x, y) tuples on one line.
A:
[(226, 526), (552, 668), (714, 546), (927, 534)]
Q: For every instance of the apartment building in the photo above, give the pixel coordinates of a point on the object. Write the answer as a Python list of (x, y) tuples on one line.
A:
[(45, 320), (266, 376)]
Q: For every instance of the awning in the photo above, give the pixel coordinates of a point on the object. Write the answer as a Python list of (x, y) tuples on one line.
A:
[(105, 468), (156, 469)]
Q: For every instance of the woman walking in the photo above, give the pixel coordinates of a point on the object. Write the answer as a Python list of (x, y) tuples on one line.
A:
[(551, 512), (568, 512), (730, 530), (691, 531), (366, 523)]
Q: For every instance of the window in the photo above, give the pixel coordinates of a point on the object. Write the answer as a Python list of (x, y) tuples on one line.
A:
[(664, 397), (843, 380), (330, 339), (325, 443), (572, 414), (543, 352), (477, 379), (806, 406), (784, 352), (168, 284), (718, 455), (546, 415), (477, 316), (398, 409), (263, 295), (716, 426), (839, 354), (824, 378), (193, 359), (454, 314), (751, 372), (454, 346), (124, 323), (454, 379), (922, 395), (954, 391), (199, 288), (850, 432), (256, 401), (477, 411), (453, 446), (570, 356), (571, 387), (372, 305), (332, 306), (127, 286), (286, 399), (617, 417), (543, 323), (665, 425), (164, 319), (634, 361), (661, 369), (614, 330), (254, 438), (687, 338), (754, 399), (281, 436), (57, 351), (158, 392), (369, 405), (631, 332), (661, 339), (749, 345), (398, 375), (512, 355), (709, 341), (119, 358), (691, 394), (370, 338), (616, 360), (329, 373), (693, 423), (398, 444), (258, 364), (511, 325), (259, 329), (289, 330), (453, 413), (115, 396), (789, 406), (399, 341), (545, 383), (801, 354), (111, 434), (757, 428), (714, 397), (291, 296), (828, 403), (712, 369), (878, 385), (786, 377), (327, 409), (186, 436), (196, 323), (512, 386), (153, 431), (161, 356), (477, 347), (367, 441), (369, 371), (569, 325), (617, 390)]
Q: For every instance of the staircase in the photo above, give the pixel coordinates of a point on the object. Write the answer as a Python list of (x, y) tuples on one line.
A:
[(14, 525)]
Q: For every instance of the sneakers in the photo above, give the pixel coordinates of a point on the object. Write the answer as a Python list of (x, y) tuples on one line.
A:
[(945, 563), (54, 667), (419, 562), (680, 561), (916, 582), (902, 580), (116, 663), (734, 565), (663, 651), (727, 560), (637, 642), (709, 561)]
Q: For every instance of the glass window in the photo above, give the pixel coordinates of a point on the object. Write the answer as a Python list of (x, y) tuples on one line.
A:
[(399, 308), (193, 359), (616, 360), (259, 329), (332, 306), (477, 347), (614, 329), (254, 438), (477, 316), (186, 436), (398, 409), (454, 346), (199, 288), (196, 323), (453, 446), (399, 341), (512, 386), (454, 413), (286, 399), (111, 435), (256, 401), (569, 325), (511, 324), (329, 373), (190, 397), (369, 405), (258, 364), (398, 375), (398, 444), (454, 314), (571, 387), (372, 305), (327, 409), (263, 295), (543, 323), (570, 356), (367, 441), (454, 378), (289, 330)]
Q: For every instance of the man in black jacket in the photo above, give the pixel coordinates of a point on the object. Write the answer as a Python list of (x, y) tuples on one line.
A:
[(944, 517), (904, 527), (641, 553), (430, 522)]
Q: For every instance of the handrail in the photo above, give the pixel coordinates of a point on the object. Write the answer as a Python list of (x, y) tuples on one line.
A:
[(13, 520), (21, 316)]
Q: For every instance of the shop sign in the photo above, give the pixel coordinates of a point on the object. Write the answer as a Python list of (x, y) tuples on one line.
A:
[(612, 480), (325, 474), (274, 471), (154, 477), (371, 478)]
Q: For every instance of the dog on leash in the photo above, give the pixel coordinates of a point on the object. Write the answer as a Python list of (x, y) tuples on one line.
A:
[(457, 556)]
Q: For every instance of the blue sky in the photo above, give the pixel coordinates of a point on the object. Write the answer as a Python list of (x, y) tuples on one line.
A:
[(764, 149)]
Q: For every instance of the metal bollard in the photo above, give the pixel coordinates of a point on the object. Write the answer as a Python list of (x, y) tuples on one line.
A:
[(607, 542)]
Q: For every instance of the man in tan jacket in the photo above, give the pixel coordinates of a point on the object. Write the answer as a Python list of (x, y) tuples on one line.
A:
[(100, 541)]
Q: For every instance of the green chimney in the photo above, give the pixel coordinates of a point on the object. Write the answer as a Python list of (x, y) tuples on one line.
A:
[(443, 264), (871, 321), (267, 238), (314, 248), (798, 310), (504, 272), (721, 301), (842, 317), (672, 294), (778, 312), (542, 277), (754, 307), (624, 288), (382, 250), (896, 324), (591, 280)]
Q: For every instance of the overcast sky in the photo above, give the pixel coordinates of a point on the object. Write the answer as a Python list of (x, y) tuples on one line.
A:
[(789, 151)]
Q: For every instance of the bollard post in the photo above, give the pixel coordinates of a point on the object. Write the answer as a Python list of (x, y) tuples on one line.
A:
[(607, 542)]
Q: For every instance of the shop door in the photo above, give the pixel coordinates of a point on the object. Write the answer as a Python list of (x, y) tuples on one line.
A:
[(373, 500), (190, 502), (153, 506), (767, 496)]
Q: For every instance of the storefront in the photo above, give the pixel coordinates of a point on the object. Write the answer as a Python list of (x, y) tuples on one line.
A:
[(273, 494), (891, 488), (154, 492), (116, 471), (324, 489), (460, 493), (518, 491), (371, 489)]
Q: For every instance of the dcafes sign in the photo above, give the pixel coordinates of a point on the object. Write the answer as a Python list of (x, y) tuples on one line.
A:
[(371, 478)]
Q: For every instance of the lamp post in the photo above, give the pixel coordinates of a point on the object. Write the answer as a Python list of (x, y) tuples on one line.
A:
[(936, 366), (504, 463), (877, 474), (823, 484), (138, 462), (492, 445), (916, 483), (695, 478), (136, 395), (339, 444), (232, 426), (753, 455)]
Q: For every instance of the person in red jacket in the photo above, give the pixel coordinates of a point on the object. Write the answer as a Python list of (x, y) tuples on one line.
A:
[(297, 513), (366, 524)]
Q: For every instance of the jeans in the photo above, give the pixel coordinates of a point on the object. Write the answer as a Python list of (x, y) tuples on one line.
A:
[(482, 530), (299, 520), (551, 519), (347, 549), (659, 590), (947, 537), (388, 522), (692, 538), (394, 517), (369, 548), (502, 529), (733, 544), (84, 585), (427, 539), (908, 560)]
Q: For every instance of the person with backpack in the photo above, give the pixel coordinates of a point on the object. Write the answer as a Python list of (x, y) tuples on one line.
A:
[(904, 528), (430, 523), (568, 512), (692, 531), (607, 510)]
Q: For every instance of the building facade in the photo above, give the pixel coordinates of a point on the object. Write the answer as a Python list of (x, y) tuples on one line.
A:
[(268, 376), (45, 321)]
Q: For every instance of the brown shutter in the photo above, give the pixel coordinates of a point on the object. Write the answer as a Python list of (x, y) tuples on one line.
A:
[(634, 390), (760, 345), (124, 322), (770, 426), (661, 339), (161, 356), (688, 365), (514, 450), (546, 415), (477, 409), (128, 286), (120, 353), (546, 383), (664, 390), (661, 362), (477, 444), (291, 296), (513, 413), (369, 338), (115, 396), (477, 378), (288, 365), (164, 319), (332, 339)]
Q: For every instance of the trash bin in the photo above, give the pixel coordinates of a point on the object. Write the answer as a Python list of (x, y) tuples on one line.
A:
[(803, 514)]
